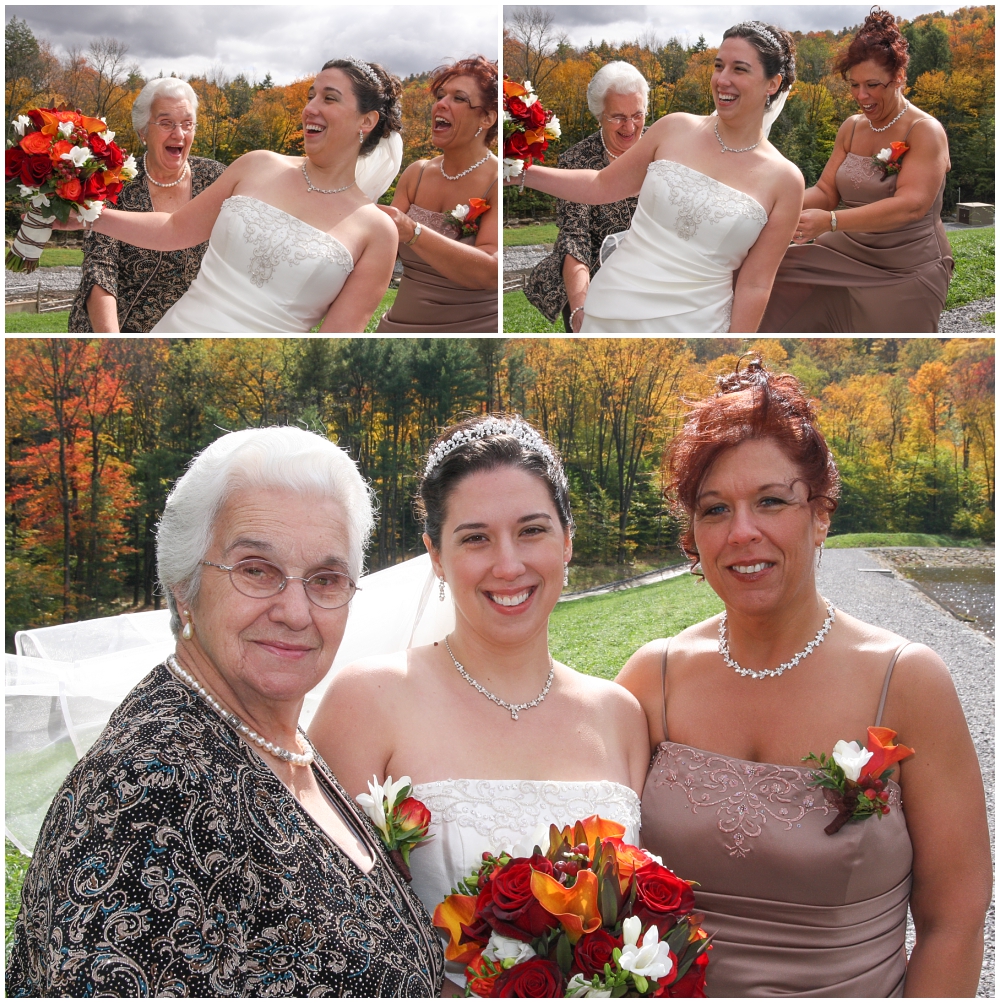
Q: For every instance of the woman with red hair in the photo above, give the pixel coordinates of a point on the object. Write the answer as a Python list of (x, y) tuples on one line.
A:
[(883, 263), (447, 214), (798, 902)]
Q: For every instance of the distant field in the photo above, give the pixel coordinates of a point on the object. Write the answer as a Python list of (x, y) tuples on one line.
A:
[(898, 540)]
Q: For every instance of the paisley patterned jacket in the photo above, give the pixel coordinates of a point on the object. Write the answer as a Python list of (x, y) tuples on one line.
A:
[(173, 862)]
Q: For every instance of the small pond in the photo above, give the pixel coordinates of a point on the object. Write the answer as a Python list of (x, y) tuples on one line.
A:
[(967, 593)]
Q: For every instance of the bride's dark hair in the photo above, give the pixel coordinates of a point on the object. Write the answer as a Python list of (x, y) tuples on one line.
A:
[(382, 97), (775, 59)]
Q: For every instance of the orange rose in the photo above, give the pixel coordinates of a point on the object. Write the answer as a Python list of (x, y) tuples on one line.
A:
[(35, 142), (58, 149), (480, 980), (70, 190)]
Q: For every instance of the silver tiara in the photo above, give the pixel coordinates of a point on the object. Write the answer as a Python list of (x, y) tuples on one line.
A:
[(761, 30), (365, 69), (515, 427)]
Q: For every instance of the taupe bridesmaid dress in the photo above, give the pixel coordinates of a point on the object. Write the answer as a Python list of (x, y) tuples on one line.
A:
[(429, 303), (793, 911), (864, 282)]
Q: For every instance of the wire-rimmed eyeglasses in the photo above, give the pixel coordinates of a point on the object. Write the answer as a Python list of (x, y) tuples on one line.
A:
[(260, 580), (187, 126), (638, 119)]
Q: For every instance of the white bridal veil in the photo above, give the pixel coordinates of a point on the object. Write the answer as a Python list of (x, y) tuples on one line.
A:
[(377, 171), (65, 680)]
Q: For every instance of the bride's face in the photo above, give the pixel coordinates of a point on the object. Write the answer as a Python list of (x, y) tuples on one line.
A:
[(331, 119), (739, 85), (502, 553), (458, 112)]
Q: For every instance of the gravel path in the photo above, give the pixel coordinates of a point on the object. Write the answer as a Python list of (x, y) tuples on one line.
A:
[(965, 319), (897, 605), (22, 285)]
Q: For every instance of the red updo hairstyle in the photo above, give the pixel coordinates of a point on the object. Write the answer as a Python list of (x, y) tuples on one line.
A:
[(879, 40), (750, 403), (486, 75)]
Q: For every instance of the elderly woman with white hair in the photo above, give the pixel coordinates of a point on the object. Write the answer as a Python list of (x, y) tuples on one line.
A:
[(126, 288), (617, 96), (201, 847)]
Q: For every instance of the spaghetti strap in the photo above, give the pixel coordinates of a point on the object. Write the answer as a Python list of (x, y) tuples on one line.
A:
[(488, 190), (420, 177), (854, 129), (663, 690), (908, 131), (885, 685)]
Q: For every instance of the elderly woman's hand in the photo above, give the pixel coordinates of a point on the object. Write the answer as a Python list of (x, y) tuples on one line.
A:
[(405, 226), (812, 223)]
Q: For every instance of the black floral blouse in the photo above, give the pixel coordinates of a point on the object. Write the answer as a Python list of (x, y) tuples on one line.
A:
[(173, 862), (146, 283), (582, 229)]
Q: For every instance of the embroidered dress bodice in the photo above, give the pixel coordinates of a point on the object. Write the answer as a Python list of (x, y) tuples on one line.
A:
[(265, 271), (673, 271)]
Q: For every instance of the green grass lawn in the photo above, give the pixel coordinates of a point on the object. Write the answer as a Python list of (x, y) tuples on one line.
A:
[(15, 864), (898, 540), (61, 256), (521, 236), (520, 317), (975, 263)]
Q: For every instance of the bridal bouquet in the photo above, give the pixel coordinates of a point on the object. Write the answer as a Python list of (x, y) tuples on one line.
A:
[(591, 916), (527, 127), (402, 821), (64, 162)]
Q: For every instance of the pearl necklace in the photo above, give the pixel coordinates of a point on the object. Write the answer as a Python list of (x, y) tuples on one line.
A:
[(729, 149), (513, 708), (322, 191), (906, 105), (468, 170), (295, 758), (613, 156), (791, 663), (160, 184)]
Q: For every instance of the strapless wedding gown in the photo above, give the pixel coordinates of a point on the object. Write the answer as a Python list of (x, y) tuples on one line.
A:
[(265, 271), (673, 271)]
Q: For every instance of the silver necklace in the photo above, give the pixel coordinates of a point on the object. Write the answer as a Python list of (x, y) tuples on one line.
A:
[(512, 707), (791, 663), (906, 104), (160, 184), (295, 758), (468, 170), (613, 156), (322, 191), (729, 149)]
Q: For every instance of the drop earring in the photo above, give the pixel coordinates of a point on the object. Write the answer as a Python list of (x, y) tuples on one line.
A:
[(441, 589), (188, 632), (565, 575), (478, 131), (819, 555), (361, 136)]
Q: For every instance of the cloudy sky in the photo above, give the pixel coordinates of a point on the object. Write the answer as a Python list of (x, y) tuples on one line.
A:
[(621, 23), (289, 42)]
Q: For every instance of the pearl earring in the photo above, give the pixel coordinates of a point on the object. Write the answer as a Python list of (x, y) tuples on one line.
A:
[(188, 632), (441, 589)]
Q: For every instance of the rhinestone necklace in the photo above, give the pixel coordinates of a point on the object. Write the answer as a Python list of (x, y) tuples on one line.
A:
[(295, 758), (322, 191), (729, 149), (468, 170), (513, 708), (906, 104), (791, 663), (160, 184)]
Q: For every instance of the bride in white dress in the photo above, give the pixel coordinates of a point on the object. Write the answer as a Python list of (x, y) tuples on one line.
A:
[(499, 740), (714, 197), (292, 241)]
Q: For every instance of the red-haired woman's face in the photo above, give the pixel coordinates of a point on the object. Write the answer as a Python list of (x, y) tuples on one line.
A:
[(875, 88), (755, 529), (458, 112)]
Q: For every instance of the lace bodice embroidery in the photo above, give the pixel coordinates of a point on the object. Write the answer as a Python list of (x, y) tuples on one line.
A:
[(278, 236), (703, 199), (501, 811), (858, 170), (747, 797), (436, 221)]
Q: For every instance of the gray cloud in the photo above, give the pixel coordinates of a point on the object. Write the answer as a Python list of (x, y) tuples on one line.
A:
[(289, 42)]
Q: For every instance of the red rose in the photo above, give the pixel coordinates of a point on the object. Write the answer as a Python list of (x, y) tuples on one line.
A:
[(515, 146), (113, 156), (94, 188), (536, 115), (660, 894), (111, 191), (412, 814), (517, 108), (593, 951), (36, 142), (692, 983), (533, 979), (537, 149), (507, 904), (36, 170), (71, 191), (13, 159), (96, 144)]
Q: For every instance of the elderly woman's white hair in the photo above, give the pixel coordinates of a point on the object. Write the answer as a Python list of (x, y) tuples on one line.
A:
[(618, 78), (253, 460), (161, 87)]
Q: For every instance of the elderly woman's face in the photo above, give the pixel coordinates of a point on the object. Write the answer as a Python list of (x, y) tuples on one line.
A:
[(755, 528), (622, 121), (169, 134), (283, 645)]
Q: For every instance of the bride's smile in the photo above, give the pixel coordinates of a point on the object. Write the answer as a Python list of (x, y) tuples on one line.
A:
[(331, 122)]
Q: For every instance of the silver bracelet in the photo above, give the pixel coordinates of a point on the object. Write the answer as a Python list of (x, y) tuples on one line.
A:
[(572, 314), (524, 172)]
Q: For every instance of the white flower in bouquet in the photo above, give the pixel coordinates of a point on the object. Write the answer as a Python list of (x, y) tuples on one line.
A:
[(39, 200), (20, 124), (25, 190), (66, 129), (89, 211), (652, 960), (129, 168), (531, 97), (849, 756), (884, 156), (108, 135), (580, 988), (374, 803), (552, 128), (78, 156), (512, 168), (507, 952), (460, 211), (507, 116)]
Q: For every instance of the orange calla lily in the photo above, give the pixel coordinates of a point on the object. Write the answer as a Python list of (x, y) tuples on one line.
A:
[(575, 908), (94, 124), (534, 135), (450, 915), (595, 828), (512, 89), (630, 858), (884, 752), (112, 175)]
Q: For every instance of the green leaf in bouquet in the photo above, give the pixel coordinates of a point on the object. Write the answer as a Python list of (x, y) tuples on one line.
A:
[(59, 208), (564, 954), (678, 937)]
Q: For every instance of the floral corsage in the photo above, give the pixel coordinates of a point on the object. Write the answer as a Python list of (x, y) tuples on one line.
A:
[(402, 821), (466, 217), (853, 779), (889, 160)]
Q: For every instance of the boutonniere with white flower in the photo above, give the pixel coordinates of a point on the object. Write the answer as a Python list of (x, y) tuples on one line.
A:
[(465, 216), (854, 779), (889, 160), (402, 821)]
